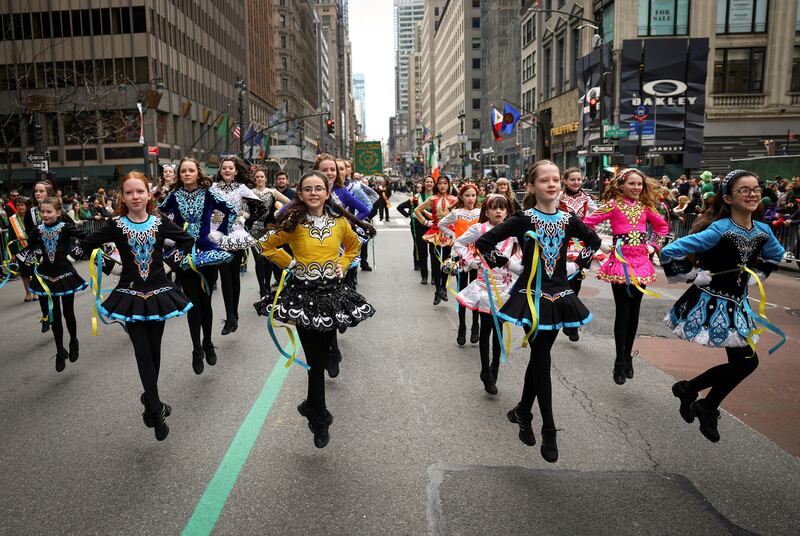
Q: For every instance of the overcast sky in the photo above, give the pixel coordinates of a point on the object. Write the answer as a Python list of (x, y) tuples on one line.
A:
[(372, 38)]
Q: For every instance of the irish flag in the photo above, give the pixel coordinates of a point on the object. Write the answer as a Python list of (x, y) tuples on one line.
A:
[(434, 162), (496, 121)]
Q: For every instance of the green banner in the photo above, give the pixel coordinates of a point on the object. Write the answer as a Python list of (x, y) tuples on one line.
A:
[(369, 158)]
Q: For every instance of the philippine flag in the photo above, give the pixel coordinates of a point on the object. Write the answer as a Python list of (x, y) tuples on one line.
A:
[(496, 120)]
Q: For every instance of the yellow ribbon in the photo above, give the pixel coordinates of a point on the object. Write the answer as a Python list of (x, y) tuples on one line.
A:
[(95, 288), (534, 317), (49, 317), (762, 310), (633, 279), (499, 304), (289, 331)]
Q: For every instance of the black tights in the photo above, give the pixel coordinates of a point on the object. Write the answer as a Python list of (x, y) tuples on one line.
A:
[(420, 249), (438, 278), (724, 378), (263, 274), (146, 339), (537, 378), (464, 279), (316, 347), (487, 331), (230, 277), (626, 320), (201, 315), (62, 306)]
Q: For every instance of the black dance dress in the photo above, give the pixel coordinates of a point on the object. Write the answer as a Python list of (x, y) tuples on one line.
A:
[(143, 293), (556, 304), (50, 245)]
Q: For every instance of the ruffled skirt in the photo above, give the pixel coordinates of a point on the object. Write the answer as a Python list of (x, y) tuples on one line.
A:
[(154, 302), (59, 285), (709, 320), (319, 304), (560, 310), (639, 264), (475, 296), (435, 237), (236, 240)]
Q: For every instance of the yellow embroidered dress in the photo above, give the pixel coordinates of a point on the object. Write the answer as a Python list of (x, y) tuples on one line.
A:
[(314, 297)]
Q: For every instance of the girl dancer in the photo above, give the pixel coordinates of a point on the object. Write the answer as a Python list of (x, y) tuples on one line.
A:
[(729, 247), (574, 199), (315, 299), (503, 187), (144, 298), (17, 224), (438, 205), (494, 211), (545, 233), (230, 186), (417, 229), (262, 214), (630, 203), (165, 182), (52, 239), (41, 190), (406, 208), (463, 215), (190, 203)]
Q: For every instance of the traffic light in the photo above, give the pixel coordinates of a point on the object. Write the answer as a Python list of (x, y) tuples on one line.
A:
[(593, 106), (330, 126), (38, 135)]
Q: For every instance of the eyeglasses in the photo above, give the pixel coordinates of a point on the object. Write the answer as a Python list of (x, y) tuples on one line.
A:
[(313, 189), (746, 191)]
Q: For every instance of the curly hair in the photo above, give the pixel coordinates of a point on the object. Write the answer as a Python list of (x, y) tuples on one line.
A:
[(203, 180), (242, 173), (296, 212), (650, 189)]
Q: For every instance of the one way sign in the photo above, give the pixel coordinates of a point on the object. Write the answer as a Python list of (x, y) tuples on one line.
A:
[(602, 149)]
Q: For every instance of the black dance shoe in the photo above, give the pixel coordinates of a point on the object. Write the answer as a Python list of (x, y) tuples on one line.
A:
[(74, 350), (159, 422), (488, 383), (461, 338), (230, 326), (681, 390), (444, 295), (333, 363), (366, 267), (437, 297), (474, 334), (61, 360), (549, 448), (197, 361), (416, 267), (211, 353), (423, 281), (619, 373), (524, 423), (708, 420), (45, 325), (572, 333), (318, 424), (147, 417), (629, 364)]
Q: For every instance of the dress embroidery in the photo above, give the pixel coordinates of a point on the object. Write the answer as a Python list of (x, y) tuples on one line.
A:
[(319, 227), (550, 230), (50, 238), (191, 205), (631, 211), (315, 270), (141, 238), (746, 243), (143, 295)]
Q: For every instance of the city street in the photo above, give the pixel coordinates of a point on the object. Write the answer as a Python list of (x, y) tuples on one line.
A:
[(417, 446)]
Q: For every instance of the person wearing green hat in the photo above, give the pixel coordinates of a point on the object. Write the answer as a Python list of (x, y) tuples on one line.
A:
[(708, 185)]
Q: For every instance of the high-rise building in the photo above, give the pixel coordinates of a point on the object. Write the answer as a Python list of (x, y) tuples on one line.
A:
[(457, 77), (500, 79), (79, 72), (260, 62), (407, 13), (427, 86), (360, 100), (332, 16)]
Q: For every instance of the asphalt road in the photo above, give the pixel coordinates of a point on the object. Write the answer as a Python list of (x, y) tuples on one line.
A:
[(416, 447)]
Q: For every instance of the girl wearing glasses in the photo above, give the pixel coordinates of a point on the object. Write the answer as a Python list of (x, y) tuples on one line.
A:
[(714, 311), (315, 299)]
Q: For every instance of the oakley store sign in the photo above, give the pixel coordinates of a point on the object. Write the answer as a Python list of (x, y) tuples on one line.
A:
[(662, 100)]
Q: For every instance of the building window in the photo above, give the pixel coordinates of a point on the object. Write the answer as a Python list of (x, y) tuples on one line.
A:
[(476, 3), (282, 21), (797, 18), (548, 72), (576, 53), (284, 63), (560, 61), (476, 43), (742, 16), (476, 63), (283, 41), (476, 124), (476, 83), (664, 17), (607, 16), (739, 70), (476, 22), (285, 84), (528, 31), (476, 103), (795, 84)]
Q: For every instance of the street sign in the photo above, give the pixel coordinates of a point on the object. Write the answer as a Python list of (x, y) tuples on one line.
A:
[(152, 150), (602, 149), (641, 112), (40, 164), (615, 131), (36, 157)]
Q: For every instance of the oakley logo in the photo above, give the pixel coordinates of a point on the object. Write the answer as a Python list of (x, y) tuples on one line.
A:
[(679, 88)]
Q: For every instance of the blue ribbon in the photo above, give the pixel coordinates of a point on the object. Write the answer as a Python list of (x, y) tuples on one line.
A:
[(767, 324), (493, 308)]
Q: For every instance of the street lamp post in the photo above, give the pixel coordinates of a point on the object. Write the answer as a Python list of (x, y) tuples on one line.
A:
[(301, 128), (241, 89), (439, 147), (461, 116), (141, 105)]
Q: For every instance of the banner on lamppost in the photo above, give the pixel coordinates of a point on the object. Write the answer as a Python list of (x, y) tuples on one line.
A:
[(368, 158), (662, 100), (589, 69)]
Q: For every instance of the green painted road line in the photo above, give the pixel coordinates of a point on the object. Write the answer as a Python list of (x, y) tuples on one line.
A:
[(206, 513)]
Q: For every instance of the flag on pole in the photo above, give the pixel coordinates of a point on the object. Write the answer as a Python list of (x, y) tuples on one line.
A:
[(236, 132), (426, 134), (434, 162), (222, 126), (510, 117), (496, 120)]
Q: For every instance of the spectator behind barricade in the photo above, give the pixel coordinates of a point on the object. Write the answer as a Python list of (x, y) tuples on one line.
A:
[(693, 207), (665, 202), (99, 211), (85, 210), (771, 214), (74, 212), (708, 201), (683, 186), (9, 207), (678, 211)]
